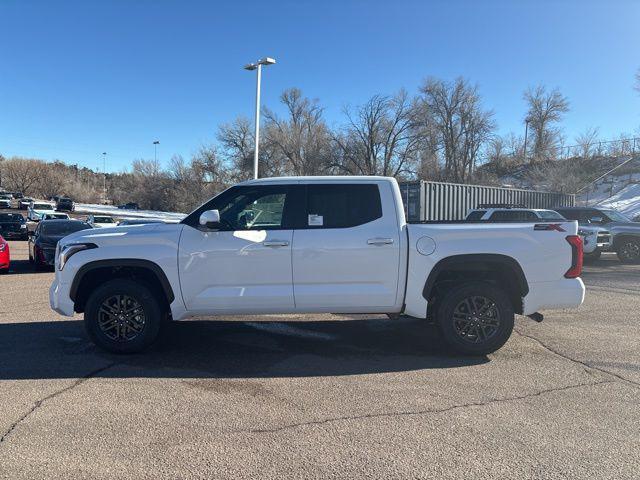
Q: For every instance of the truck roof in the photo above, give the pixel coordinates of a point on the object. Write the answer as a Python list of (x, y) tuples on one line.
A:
[(322, 178)]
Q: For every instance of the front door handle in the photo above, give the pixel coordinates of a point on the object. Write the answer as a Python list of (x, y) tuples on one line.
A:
[(275, 243), (380, 241)]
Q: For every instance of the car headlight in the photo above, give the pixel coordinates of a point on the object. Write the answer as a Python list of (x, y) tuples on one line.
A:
[(67, 251)]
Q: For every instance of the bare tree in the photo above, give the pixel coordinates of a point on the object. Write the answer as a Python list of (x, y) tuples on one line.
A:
[(382, 137), (587, 142), (545, 109), (463, 126), (22, 174), (301, 139)]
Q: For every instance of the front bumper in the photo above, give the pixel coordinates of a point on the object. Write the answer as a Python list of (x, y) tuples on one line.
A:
[(59, 298), (564, 293)]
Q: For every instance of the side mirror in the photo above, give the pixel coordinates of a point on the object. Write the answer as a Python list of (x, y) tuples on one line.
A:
[(210, 219), (595, 220)]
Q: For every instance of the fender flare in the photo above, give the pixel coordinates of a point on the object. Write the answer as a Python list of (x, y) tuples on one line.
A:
[(466, 260), (122, 262)]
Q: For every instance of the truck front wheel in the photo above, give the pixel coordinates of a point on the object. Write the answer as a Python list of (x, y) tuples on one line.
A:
[(629, 251), (475, 318), (123, 316)]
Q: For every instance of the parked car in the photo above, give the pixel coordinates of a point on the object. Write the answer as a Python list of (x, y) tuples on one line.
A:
[(352, 252), (5, 255), (5, 201), (35, 212), (129, 206), (65, 204), (99, 221), (17, 195), (54, 216), (626, 233), (138, 221), (13, 226), (595, 239), (42, 245), (24, 202)]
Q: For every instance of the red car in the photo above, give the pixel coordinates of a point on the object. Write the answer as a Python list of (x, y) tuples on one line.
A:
[(4, 255)]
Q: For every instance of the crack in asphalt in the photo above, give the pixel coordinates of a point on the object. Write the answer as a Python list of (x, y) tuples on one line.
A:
[(43, 400), (421, 412), (574, 360)]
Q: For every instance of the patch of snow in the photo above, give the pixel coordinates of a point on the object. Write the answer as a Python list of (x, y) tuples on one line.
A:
[(626, 201), (128, 214)]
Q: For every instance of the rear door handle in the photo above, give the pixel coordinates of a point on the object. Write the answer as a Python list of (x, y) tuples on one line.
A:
[(380, 241), (275, 243)]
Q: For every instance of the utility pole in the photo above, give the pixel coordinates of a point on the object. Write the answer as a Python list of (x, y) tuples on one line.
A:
[(104, 176), (155, 150), (526, 135), (258, 66)]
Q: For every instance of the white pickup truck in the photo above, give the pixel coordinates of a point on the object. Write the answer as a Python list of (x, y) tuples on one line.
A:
[(316, 244)]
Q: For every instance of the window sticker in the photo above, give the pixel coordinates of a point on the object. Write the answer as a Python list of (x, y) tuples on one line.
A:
[(315, 220)]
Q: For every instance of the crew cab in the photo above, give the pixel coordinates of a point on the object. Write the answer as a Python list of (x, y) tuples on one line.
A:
[(626, 233), (316, 244), (595, 239)]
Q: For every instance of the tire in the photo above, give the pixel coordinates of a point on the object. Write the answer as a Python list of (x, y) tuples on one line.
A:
[(30, 258), (110, 331), (628, 250), (464, 332), (593, 256)]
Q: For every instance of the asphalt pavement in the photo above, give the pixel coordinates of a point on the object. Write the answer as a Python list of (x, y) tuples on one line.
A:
[(322, 396)]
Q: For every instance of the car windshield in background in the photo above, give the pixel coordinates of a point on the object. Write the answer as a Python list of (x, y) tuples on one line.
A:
[(615, 216), (476, 215), (63, 228), (550, 215), (57, 216), (10, 217), (103, 220), (42, 206)]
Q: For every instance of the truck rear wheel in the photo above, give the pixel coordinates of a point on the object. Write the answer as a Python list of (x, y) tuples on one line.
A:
[(123, 316), (593, 256), (475, 318)]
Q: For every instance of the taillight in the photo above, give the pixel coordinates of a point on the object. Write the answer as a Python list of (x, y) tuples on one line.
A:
[(576, 256)]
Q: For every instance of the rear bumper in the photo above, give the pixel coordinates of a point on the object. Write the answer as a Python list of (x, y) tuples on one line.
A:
[(565, 293)]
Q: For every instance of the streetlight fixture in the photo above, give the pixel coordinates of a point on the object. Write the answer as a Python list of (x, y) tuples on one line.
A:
[(258, 66), (155, 150)]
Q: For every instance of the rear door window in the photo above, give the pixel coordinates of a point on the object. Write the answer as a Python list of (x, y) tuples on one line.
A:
[(342, 205)]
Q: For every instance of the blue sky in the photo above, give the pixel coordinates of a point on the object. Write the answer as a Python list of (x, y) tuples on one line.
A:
[(80, 78)]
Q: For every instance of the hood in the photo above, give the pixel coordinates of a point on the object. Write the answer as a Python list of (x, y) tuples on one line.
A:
[(49, 239), (129, 235), (625, 225)]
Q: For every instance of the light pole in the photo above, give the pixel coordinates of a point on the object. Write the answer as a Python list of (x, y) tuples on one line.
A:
[(155, 150), (104, 175), (526, 134), (258, 66)]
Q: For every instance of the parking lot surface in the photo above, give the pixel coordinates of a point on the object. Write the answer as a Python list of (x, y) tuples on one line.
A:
[(322, 396)]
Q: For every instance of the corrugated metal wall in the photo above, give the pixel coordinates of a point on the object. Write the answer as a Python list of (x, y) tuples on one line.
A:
[(451, 201)]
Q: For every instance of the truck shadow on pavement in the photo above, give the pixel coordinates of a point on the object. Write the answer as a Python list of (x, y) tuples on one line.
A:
[(230, 349)]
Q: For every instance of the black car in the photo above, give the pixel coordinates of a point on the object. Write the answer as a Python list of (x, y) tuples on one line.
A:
[(65, 204), (42, 245), (129, 206), (13, 226)]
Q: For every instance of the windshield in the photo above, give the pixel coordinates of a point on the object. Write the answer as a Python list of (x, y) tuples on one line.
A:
[(476, 215), (550, 215), (42, 206), (10, 217), (50, 216), (103, 219), (615, 216), (63, 228)]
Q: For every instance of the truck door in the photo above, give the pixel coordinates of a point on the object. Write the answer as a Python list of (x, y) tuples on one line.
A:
[(346, 249), (245, 267)]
